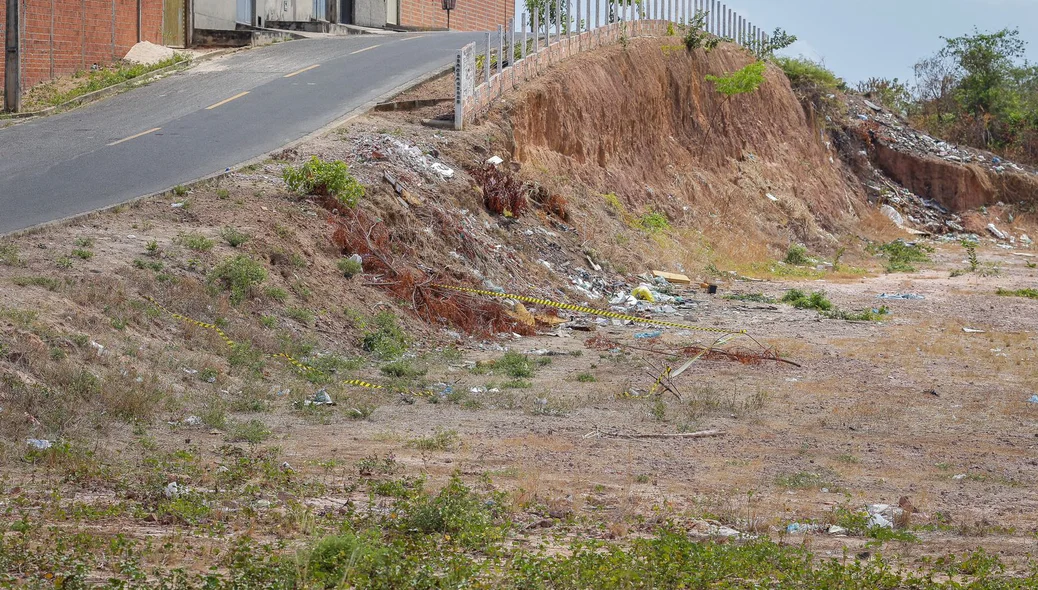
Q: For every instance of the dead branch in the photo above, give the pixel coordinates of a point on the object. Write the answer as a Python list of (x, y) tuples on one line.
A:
[(599, 433)]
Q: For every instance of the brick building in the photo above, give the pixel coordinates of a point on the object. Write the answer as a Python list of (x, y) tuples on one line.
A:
[(61, 37), (422, 15), (469, 15)]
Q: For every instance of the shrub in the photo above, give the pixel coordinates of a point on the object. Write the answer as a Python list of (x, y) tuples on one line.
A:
[(84, 254), (441, 440), (197, 242), (514, 365), (900, 255), (252, 432), (238, 274), (801, 300), (403, 370), (350, 267), (807, 75), (325, 179), (796, 255), (653, 222), (234, 237), (386, 340)]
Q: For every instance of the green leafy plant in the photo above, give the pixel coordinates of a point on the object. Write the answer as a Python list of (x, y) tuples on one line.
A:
[(252, 432), (234, 237), (796, 255), (196, 242), (696, 35), (350, 267), (744, 81), (1028, 293), (901, 255), (84, 254), (653, 222), (326, 179), (802, 300), (239, 275), (387, 340)]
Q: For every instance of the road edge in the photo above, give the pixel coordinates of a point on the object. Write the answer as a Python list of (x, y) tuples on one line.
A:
[(363, 109)]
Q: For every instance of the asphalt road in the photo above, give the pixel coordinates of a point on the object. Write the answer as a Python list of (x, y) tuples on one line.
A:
[(198, 122)]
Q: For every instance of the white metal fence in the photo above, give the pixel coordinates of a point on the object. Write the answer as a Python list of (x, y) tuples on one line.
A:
[(567, 27)]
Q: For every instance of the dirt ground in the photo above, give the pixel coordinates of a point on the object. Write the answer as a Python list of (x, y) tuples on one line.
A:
[(926, 409)]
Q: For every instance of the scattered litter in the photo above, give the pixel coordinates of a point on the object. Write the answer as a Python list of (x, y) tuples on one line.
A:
[(356, 258), (873, 106), (796, 527), (190, 371), (100, 349), (959, 477), (192, 421), (997, 232), (876, 518), (836, 530), (677, 279), (643, 293), (172, 490), (1033, 400), (494, 160), (893, 215), (444, 171), (972, 331), (905, 296), (321, 398), (177, 205), (286, 467), (647, 335), (41, 444), (772, 197)]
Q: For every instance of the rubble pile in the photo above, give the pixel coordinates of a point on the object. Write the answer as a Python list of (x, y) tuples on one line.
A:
[(897, 134)]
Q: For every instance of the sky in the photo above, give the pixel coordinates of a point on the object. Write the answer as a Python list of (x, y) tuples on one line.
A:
[(884, 38)]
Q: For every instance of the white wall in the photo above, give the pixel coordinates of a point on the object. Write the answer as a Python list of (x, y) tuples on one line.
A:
[(215, 14), (369, 13), (286, 10)]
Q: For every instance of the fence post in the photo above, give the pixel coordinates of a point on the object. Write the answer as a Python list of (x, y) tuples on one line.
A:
[(486, 63), (558, 20), (579, 25), (511, 47), (500, 53), (536, 31), (523, 50)]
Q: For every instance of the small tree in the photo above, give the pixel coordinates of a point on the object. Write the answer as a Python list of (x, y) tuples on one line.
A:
[(738, 83), (779, 39)]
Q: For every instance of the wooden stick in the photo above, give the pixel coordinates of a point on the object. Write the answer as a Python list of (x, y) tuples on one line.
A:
[(685, 435)]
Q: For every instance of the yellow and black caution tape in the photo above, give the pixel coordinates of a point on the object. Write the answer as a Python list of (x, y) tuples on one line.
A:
[(184, 318), (589, 310), (281, 355), (659, 381)]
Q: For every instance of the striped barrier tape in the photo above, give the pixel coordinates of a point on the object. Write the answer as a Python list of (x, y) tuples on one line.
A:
[(281, 355), (588, 310)]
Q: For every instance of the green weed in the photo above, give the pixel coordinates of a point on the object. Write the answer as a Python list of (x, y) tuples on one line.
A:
[(196, 242), (387, 340), (332, 179), (349, 267), (1028, 293), (239, 275), (234, 237)]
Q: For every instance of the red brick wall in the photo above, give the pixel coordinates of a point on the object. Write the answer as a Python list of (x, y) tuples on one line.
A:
[(63, 36), (470, 15)]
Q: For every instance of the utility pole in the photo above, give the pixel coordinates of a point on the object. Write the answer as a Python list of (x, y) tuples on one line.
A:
[(12, 61)]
